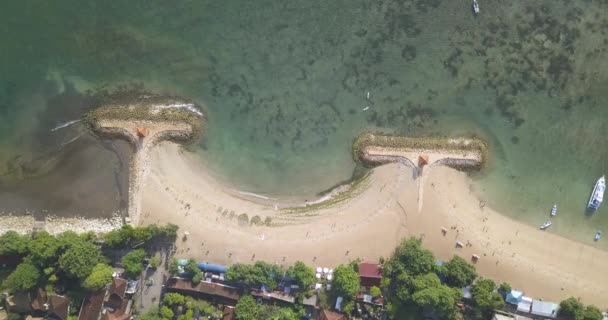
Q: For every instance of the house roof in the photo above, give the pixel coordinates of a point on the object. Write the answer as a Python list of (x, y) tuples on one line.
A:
[(19, 302), (58, 307), (214, 289), (91, 306), (330, 315), (118, 287), (369, 270), (228, 313), (544, 308), (39, 300), (310, 301)]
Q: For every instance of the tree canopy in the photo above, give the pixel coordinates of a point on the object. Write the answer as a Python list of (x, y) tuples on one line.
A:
[(25, 277), (173, 299), (592, 313), (44, 249), (458, 272), (346, 281), (78, 260), (12, 242), (133, 262), (100, 276), (247, 309), (260, 273), (571, 308), (303, 274), (411, 256), (485, 297)]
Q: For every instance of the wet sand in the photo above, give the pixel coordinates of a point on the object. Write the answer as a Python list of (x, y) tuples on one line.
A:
[(179, 190)]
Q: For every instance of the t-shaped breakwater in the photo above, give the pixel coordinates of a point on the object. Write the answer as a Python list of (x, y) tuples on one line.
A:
[(143, 121)]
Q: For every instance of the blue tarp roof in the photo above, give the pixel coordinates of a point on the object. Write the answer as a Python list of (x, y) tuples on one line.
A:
[(514, 297)]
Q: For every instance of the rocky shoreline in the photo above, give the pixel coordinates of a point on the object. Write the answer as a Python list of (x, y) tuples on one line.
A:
[(26, 223)]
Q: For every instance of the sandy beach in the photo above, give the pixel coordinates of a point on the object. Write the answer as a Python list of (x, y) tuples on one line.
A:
[(179, 190)]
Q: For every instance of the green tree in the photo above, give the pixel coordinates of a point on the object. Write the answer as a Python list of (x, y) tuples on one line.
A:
[(100, 276), (173, 299), (120, 237), (413, 257), (25, 277), (133, 262), (198, 277), (485, 298), (375, 292), (44, 249), (154, 262), (346, 281), (247, 309), (152, 314), (303, 274), (78, 261), (429, 280), (173, 267), (283, 314), (505, 288), (592, 313), (195, 272), (440, 299), (13, 243), (260, 273), (571, 308), (166, 313), (458, 272)]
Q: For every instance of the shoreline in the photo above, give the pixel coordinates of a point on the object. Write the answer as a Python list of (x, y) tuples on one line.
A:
[(230, 229), (25, 224)]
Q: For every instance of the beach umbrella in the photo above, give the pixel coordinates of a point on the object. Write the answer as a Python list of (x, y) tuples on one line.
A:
[(186, 233), (325, 270), (423, 159), (331, 271), (329, 277), (319, 269), (318, 275)]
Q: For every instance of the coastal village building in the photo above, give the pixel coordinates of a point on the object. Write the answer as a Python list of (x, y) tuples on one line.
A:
[(369, 274), (216, 292), (111, 304), (331, 315), (39, 305)]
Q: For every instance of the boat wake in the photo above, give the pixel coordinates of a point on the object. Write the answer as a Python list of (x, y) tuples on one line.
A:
[(67, 124)]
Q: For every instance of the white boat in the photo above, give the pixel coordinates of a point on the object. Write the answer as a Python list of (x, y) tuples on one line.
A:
[(554, 210), (475, 7), (546, 225), (598, 236), (597, 196)]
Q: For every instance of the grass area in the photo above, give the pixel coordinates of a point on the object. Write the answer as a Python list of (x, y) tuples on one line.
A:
[(471, 144)]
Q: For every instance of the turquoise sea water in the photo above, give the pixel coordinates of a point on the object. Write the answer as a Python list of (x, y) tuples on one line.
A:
[(285, 83)]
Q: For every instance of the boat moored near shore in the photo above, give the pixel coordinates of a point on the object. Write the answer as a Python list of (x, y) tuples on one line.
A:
[(597, 196)]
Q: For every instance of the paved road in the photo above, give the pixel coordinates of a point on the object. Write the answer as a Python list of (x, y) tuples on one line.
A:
[(150, 294)]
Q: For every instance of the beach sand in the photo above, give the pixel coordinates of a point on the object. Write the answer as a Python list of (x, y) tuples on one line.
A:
[(179, 190)]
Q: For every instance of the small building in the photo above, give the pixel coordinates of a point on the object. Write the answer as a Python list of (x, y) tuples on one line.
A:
[(228, 313), (331, 315), (19, 303), (467, 292), (514, 297), (221, 293), (369, 274), (91, 306), (39, 305), (59, 307), (544, 308), (116, 303), (525, 305), (508, 316)]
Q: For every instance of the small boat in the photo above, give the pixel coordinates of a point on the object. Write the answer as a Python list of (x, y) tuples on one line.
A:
[(546, 225), (554, 210), (475, 7), (598, 236), (597, 196)]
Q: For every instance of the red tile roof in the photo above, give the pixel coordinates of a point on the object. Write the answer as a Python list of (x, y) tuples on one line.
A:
[(58, 307), (369, 270), (39, 300), (214, 289), (330, 315), (91, 306)]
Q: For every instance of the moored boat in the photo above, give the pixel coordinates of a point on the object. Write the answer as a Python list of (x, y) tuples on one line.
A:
[(475, 7), (546, 225), (554, 210), (597, 196)]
